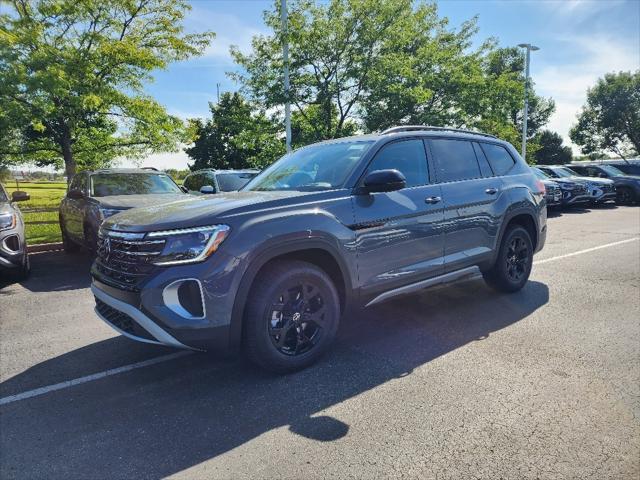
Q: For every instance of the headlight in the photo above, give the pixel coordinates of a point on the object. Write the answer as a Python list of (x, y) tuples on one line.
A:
[(108, 212), (7, 220), (189, 245)]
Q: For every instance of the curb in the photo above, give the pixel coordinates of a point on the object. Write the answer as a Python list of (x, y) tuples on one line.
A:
[(44, 247)]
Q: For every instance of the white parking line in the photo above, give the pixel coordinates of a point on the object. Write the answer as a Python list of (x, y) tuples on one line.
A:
[(586, 250), (90, 378), (165, 358)]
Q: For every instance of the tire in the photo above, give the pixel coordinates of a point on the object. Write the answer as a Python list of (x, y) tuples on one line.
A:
[(23, 272), (283, 296), (68, 245), (91, 240), (626, 196), (513, 264)]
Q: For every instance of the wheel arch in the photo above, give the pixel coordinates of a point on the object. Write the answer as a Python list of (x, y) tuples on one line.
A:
[(315, 251)]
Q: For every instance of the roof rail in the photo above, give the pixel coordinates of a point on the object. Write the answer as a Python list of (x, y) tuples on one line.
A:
[(411, 128), (150, 168)]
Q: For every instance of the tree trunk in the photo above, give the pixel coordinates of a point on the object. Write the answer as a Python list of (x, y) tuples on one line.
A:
[(67, 155)]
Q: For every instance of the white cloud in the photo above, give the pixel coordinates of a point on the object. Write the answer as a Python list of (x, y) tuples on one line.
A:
[(229, 29), (567, 83)]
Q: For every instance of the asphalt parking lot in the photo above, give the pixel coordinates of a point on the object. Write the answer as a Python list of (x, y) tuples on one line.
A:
[(457, 382)]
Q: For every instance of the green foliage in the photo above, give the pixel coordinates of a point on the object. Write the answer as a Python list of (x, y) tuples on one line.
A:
[(610, 120), (177, 175), (550, 150), (372, 64), (73, 72), (236, 136)]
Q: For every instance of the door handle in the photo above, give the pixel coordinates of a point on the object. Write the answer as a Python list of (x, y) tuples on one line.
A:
[(432, 200), (491, 191)]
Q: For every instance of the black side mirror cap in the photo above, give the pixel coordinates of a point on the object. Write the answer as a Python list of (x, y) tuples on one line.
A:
[(20, 196), (207, 189), (388, 180), (75, 193)]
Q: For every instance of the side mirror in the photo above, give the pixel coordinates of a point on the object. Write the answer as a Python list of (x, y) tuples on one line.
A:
[(75, 194), (384, 181), (19, 196), (207, 189)]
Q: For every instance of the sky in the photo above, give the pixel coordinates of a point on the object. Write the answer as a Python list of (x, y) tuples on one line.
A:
[(579, 40)]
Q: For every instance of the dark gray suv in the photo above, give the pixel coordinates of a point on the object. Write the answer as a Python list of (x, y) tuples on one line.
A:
[(333, 226)]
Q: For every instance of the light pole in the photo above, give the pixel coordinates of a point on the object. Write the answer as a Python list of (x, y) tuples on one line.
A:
[(285, 59), (529, 48)]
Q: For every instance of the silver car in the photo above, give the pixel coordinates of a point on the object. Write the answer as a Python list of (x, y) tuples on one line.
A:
[(14, 259)]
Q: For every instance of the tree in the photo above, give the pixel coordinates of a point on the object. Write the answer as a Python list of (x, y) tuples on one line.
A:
[(610, 120), (333, 48), (236, 136), (304, 125), (550, 149), (72, 75)]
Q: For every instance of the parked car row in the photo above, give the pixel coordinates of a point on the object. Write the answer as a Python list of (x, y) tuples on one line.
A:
[(581, 184)]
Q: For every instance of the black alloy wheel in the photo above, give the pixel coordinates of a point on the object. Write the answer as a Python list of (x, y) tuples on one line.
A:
[(517, 259), (513, 264), (291, 316), (296, 318)]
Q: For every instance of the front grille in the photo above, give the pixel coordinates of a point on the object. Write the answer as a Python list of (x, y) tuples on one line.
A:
[(125, 260), (121, 320), (581, 190)]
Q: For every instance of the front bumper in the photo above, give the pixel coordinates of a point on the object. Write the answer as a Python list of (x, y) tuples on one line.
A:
[(599, 197), (12, 258)]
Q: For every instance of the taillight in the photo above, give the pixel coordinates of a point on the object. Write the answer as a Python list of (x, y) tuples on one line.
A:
[(541, 187)]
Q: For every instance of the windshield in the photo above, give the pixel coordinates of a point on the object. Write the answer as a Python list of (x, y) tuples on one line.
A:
[(613, 171), (3, 195), (540, 174), (109, 184), (317, 167), (565, 172), (229, 182)]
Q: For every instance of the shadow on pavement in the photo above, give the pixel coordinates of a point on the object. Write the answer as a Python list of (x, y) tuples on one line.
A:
[(163, 419), (55, 271)]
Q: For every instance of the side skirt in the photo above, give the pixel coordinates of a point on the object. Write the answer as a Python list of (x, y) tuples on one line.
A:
[(430, 282)]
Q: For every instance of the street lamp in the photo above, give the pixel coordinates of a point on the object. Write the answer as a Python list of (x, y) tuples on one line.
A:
[(529, 48)]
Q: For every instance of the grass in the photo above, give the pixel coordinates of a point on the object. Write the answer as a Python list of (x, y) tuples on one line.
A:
[(41, 211)]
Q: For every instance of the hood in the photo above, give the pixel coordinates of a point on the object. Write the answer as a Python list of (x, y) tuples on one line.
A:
[(627, 178), (198, 211), (566, 181), (595, 180), (132, 201)]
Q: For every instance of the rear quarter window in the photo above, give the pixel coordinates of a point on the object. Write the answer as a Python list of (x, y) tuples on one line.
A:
[(499, 158)]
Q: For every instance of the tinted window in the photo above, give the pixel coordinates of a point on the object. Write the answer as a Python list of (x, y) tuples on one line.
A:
[(406, 156), (485, 168), (317, 167), (456, 160), (499, 158), (108, 184), (229, 182), (195, 181)]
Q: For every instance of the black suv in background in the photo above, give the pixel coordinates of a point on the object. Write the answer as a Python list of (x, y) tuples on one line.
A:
[(600, 190), (215, 181), (630, 167), (573, 192), (96, 195), (14, 259), (553, 192), (627, 186), (332, 226)]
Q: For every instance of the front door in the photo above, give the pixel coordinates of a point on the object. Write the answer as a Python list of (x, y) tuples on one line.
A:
[(399, 236)]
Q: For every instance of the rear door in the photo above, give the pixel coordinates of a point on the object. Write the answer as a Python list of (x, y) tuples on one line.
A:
[(470, 191), (399, 238)]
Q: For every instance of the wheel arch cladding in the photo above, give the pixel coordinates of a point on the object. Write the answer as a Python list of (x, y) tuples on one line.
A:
[(315, 253)]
